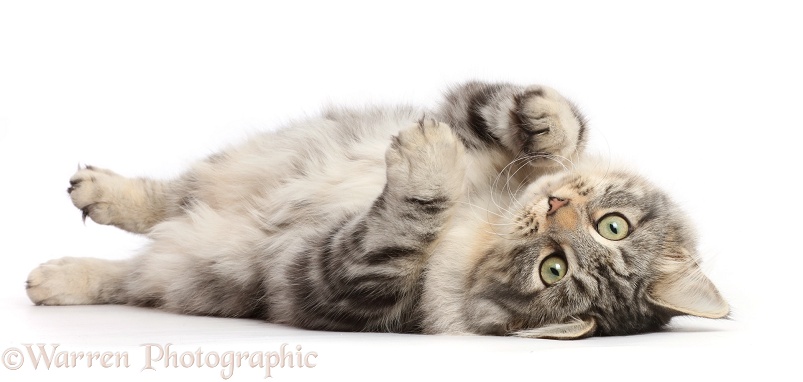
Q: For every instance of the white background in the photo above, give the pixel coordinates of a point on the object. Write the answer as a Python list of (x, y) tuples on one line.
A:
[(703, 97)]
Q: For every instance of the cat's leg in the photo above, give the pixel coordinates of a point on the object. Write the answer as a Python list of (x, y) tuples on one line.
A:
[(208, 262), (132, 204), (78, 281), (364, 274), (204, 263), (535, 122)]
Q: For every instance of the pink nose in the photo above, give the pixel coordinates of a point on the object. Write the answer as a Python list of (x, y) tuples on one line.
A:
[(556, 203)]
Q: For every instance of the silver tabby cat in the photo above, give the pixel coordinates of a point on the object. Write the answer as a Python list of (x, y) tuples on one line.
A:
[(482, 217)]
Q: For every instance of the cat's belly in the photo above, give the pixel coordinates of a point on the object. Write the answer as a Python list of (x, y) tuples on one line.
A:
[(297, 215)]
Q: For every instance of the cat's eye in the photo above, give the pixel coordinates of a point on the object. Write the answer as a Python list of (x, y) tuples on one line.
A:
[(553, 269), (613, 227)]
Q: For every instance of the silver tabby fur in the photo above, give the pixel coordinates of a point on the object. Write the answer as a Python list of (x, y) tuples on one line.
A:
[(399, 219)]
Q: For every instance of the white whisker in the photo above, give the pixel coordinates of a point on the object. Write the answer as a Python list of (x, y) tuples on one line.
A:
[(481, 208), (495, 184), (514, 195)]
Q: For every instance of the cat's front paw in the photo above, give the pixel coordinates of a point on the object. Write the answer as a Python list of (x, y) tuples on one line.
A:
[(65, 281), (544, 126), (93, 191), (426, 159)]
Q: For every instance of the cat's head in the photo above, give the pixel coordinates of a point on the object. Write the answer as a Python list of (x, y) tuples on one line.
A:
[(592, 251)]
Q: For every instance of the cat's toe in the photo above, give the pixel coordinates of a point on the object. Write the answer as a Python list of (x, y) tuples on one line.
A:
[(428, 135), (440, 133)]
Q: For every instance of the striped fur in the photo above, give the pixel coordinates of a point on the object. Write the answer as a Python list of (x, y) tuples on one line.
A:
[(399, 219)]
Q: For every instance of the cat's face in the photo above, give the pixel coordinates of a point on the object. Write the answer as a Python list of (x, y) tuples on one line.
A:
[(590, 252)]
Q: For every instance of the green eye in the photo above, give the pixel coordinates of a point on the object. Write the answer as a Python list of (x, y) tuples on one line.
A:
[(553, 268), (613, 227)]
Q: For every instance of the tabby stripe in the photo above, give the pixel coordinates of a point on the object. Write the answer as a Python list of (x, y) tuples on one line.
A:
[(317, 311), (626, 258), (343, 320), (381, 203), (476, 122), (650, 215), (361, 306), (385, 254), (638, 289), (534, 93), (338, 300), (578, 284), (509, 298), (376, 299), (605, 274), (328, 262), (581, 120), (357, 238), (430, 206)]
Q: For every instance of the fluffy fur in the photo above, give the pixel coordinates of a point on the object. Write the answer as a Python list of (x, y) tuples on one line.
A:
[(403, 220)]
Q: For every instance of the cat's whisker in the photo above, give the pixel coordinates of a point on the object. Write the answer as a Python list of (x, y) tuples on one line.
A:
[(562, 163), (497, 235), (514, 195), (607, 158), (524, 183), (507, 169), (495, 185), (474, 206), (513, 202), (605, 174), (500, 224), (488, 212), (557, 159), (492, 189), (487, 220)]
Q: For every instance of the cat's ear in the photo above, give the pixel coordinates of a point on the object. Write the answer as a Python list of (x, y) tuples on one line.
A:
[(684, 289), (571, 330)]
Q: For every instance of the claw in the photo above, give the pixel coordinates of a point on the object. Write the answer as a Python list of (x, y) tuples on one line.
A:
[(84, 214), (74, 185)]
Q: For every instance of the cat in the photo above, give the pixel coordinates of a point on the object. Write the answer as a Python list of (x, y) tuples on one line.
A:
[(482, 216)]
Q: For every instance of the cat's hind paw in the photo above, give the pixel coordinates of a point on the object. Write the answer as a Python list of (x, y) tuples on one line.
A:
[(65, 281), (73, 281)]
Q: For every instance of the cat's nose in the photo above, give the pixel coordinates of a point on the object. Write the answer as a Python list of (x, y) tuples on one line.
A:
[(555, 203)]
